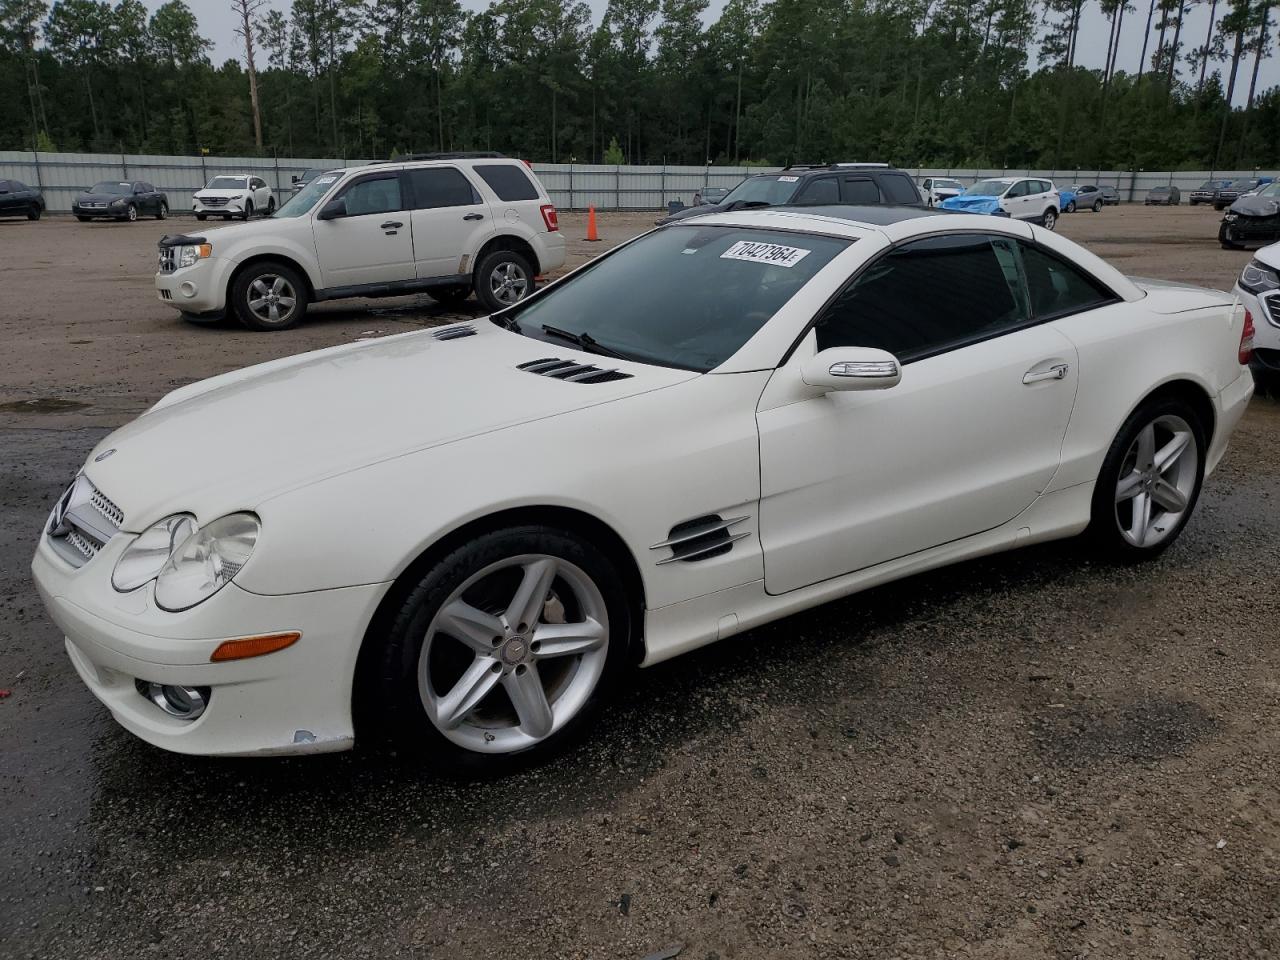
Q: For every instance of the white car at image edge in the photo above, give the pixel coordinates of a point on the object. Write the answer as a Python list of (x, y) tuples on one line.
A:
[(463, 537), (233, 195), (388, 229), (1259, 289)]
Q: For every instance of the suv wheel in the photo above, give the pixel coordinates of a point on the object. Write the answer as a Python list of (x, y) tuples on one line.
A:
[(271, 206), (502, 278), (248, 211), (1071, 207), (1050, 219), (269, 296), (202, 216)]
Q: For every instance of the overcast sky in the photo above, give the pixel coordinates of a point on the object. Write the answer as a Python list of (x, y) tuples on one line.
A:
[(218, 23)]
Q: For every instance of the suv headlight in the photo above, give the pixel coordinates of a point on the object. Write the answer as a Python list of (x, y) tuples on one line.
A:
[(189, 255), (143, 559), (1257, 277), (206, 561)]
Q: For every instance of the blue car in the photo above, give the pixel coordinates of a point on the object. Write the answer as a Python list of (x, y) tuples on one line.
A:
[(1068, 195)]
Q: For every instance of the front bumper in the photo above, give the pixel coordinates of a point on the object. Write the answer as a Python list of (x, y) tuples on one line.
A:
[(200, 289), (232, 208), (107, 211), (297, 700), (1242, 228)]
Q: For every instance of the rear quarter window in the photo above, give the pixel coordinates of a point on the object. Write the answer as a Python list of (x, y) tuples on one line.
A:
[(899, 189), (508, 181)]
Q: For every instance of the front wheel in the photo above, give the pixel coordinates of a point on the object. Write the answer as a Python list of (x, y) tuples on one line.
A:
[(248, 211), (83, 219), (131, 214), (505, 647), (1227, 239), (1150, 481), (33, 212), (162, 211), (269, 296), (202, 216), (1071, 207), (1050, 219), (271, 206), (503, 277)]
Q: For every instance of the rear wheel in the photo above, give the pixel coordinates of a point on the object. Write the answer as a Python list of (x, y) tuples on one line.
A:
[(502, 650), (502, 278), (271, 206), (1150, 481), (248, 211), (269, 296), (1071, 207)]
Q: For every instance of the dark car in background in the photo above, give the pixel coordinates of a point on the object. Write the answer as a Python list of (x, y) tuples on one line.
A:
[(810, 185), (1204, 193), (1232, 192), (300, 180), (1166, 196), (1254, 219), (120, 200), (19, 200)]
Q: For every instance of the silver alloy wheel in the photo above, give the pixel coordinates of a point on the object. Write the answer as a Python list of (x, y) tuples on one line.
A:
[(1050, 219), (535, 626), (508, 282), (1157, 480), (272, 298), (133, 212)]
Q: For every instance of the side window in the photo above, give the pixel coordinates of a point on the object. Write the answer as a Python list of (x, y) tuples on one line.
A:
[(820, 190), (4, 186), (375, 195), (257, 183), (508, 181), (441, 187), (1056, 287), (927, 185), (1017, 190), (899, 189), (17, 186), (859, 190), (894, 305)]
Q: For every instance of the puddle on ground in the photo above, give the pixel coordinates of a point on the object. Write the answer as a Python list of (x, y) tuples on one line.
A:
[(43, 405)]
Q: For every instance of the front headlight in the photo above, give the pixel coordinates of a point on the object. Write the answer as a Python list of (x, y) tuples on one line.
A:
[(206, 561), (117, 203), (1257, 277), (189, 255), (143, 559)]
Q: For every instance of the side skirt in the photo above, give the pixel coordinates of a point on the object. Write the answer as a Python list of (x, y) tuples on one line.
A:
[(394, 288)]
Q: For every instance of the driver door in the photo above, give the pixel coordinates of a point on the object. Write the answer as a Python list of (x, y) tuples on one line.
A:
[(966, 442), (373, 242)]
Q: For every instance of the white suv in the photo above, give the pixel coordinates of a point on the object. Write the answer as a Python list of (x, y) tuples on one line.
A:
[(234, 195), (442, 227), (1022, 198)]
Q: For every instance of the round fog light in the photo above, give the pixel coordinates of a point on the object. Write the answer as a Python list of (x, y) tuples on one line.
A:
[(188, 288), (185, 703)]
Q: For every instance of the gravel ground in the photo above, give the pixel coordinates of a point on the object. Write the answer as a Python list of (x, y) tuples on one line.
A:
[(1024, 756)]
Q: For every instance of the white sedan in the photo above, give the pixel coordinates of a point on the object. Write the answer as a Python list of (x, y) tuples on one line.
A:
[(463, 537)]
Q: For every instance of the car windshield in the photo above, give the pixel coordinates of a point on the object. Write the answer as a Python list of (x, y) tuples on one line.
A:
[(719, 285), (987, 188), (110, 186), (227, 183), (1209, 185), (1270, 190), (763, 191), (1159, 189), (306, 198), (1242, 185)]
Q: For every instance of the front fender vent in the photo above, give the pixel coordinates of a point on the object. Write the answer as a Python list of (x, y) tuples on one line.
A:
[(455, 331), (700, 539), (571, 371)]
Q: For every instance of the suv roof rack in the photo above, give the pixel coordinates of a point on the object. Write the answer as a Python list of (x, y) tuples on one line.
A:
[(456, 155), (835, 166)]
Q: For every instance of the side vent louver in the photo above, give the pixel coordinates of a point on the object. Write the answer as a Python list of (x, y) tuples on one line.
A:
[(454, 331), (572, 372), (700, 539)]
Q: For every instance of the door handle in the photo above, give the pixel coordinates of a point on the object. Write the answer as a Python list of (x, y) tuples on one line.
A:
[(392, 224), (1057, 372), (474, 216)]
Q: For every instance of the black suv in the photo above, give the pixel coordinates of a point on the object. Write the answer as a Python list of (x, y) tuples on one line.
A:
[(813, 185)]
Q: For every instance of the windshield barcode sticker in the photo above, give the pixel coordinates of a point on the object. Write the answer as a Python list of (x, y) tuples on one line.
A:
[(788, 179), (774, 254)]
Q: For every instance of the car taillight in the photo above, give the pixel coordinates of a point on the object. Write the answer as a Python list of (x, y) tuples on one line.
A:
[(1246, 339), (550, 218)]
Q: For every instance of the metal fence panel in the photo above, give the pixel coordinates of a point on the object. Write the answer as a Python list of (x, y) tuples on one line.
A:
[(571, 186)]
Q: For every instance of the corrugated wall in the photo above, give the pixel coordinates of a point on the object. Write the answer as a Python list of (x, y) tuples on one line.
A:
[(571, 186)]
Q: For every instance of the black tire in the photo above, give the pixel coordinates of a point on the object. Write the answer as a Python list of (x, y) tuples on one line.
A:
[(34, 211), (1097, 206), (1071, 207), (202, 216), (271, 206), (1105, 524), (1227, 240), (485, 278), (248, 210), (131, 213), (1049, 219), (162, 211), (388, 700), (83, 219), (267, 272), (451, 295)]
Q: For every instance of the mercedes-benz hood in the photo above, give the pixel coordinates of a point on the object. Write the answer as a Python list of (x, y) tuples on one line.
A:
[(233, 441)]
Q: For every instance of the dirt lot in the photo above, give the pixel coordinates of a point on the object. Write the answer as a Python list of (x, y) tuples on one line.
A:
[(1024, 756)]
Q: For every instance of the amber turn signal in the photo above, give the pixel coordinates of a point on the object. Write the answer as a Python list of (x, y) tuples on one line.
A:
[(253, 646)]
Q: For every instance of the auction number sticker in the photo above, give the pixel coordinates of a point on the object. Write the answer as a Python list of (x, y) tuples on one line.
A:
[(323, 180), (774, 254), (788, 179)]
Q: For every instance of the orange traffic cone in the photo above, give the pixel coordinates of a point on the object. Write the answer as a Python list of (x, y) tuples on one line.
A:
[(592, 236)]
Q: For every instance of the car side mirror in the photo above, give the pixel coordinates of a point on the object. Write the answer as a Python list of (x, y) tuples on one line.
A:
[(333, 210), (295, 178), (852, 368)]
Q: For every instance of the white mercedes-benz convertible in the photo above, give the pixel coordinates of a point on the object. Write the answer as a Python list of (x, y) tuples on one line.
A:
[(465, 536)]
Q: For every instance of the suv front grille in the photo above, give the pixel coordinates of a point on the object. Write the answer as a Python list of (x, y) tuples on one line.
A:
[(82, 522), (212, 201), (168, 259)]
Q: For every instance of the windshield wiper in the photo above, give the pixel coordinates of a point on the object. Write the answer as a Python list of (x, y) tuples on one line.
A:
[(585, 341)]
